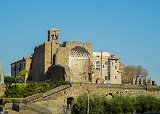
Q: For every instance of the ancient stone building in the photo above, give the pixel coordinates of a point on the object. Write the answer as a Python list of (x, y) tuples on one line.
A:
[(69, 61), (106, 67), (72, 61), (1, 74), (23, 64)]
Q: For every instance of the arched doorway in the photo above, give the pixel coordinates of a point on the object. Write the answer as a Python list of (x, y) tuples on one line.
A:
[(70, 102)]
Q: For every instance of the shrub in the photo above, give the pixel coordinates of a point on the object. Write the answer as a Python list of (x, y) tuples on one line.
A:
[(21, 90)]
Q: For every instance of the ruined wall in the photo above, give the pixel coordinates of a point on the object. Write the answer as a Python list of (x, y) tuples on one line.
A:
[(80, 58), (62, 56), (43, 58), (37, 66), (51, 49), (75, 57)]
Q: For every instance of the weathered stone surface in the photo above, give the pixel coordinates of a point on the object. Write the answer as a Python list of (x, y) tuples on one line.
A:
[(77, 60), (74, 57), (2, 90), (1, 74)]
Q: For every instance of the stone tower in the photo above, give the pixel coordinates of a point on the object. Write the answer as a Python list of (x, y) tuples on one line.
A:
[(1, 74), (53, 35), (44, 55)]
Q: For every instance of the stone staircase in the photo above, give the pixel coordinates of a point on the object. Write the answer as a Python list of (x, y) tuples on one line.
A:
[(41, 96), (34, 102), (54, 103)]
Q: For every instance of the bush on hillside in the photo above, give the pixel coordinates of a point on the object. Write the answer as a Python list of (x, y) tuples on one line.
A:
[(21, 90)]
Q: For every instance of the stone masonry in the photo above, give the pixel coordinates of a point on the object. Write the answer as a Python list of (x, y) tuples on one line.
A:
[(70, 61), (75, 56), (106, 67), (23, 64)]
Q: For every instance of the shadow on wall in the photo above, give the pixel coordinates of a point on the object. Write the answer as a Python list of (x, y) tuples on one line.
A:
[(56, 73)]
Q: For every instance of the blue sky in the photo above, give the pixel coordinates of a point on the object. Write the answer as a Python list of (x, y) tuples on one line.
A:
[(129, 29)]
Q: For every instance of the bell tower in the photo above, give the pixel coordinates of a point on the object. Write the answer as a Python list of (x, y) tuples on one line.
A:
[(53, 35)]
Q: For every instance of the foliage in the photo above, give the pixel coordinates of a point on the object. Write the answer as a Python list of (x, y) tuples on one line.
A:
[(147, 104), (24, 75), (16, 79), (96, 104), (22, 90), (116, 105), (13, 79), (23, 72)]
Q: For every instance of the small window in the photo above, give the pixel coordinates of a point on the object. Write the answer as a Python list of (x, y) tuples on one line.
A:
[(116, 67), (97, 55), (103, 66), (106, 77), (115, 77), (98, 65)]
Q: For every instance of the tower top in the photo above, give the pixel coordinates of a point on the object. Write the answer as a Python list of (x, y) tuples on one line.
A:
[(53, 34), (53, 29)]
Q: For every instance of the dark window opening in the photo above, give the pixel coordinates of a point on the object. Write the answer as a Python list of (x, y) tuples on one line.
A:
[(70, 102), (109, 77), (106, 77), (54, 59)]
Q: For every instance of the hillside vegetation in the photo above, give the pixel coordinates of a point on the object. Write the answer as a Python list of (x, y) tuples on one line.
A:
[(21, 90), (116, 104)]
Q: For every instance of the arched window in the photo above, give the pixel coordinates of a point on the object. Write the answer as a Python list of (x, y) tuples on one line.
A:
[(98, 65)]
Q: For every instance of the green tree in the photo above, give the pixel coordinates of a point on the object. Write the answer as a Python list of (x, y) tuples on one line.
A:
[(147, 104), (9, 79), (24, 75), (116, 105)]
